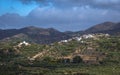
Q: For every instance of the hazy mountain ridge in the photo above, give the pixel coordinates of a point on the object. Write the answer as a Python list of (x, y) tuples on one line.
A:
[(50, 35)]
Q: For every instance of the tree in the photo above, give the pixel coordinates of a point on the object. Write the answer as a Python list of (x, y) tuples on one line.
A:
[(77, 59)]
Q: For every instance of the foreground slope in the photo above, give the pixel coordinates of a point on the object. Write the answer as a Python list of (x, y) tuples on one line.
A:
[(100, 57)]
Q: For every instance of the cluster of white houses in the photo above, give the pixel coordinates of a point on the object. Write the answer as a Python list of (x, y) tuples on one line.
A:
[(86, 36)]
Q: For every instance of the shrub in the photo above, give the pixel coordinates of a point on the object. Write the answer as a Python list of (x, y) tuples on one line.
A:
[(77, 59)]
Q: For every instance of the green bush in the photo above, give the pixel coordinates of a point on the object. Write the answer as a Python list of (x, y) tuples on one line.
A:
[(77, 59)]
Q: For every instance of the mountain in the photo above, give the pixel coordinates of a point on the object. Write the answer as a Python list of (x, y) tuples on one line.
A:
[(50, 35), (8, 33), (106, 27), (101, 27), (33, 34), (74, 34)]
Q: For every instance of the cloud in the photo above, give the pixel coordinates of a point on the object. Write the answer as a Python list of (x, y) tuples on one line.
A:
[(75, 18), (100, 4), (12, 21), (64, 14), (31, 1)]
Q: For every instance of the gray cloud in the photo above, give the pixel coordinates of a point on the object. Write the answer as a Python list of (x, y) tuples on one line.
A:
[(76, 18), (65, 14)]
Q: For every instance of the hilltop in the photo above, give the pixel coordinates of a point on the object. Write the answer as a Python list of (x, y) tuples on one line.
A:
[(106, 27)]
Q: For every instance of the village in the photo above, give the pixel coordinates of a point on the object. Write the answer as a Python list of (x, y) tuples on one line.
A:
[(88, 55), (86, 36)]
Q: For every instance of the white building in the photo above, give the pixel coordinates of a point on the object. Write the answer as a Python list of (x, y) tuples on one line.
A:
[(88, 36), (78, 38), (64, 41), (23, 43)]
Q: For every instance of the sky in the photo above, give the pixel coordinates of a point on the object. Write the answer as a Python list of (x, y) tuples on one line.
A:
[(64, 15)]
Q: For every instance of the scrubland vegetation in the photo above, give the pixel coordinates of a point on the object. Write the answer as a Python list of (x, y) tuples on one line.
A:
[(15, 60)]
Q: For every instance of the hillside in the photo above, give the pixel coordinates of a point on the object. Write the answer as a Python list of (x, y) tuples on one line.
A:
[(106, 27), (101, 27), (94, 54), (50, 35), (33, 34)]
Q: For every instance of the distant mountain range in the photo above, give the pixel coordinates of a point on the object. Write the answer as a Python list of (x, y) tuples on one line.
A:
[(50, 35)]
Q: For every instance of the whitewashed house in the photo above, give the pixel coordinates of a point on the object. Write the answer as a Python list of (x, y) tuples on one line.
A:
[(23, 43), (88, 36), (64, 41), (78, 38)]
